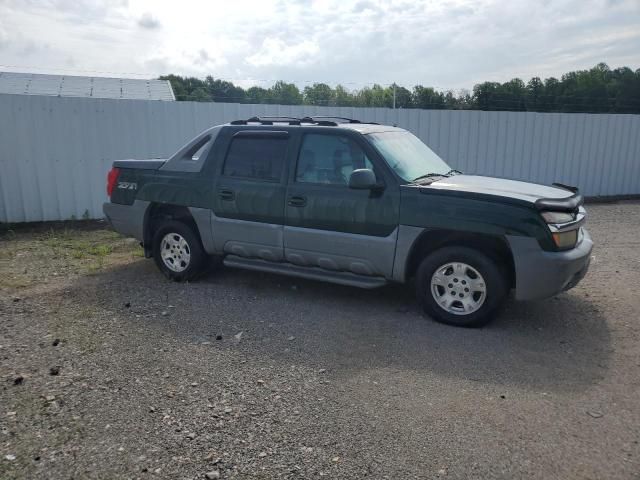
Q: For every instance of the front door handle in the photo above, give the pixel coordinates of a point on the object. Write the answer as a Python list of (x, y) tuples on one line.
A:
[(297, 201), (226, 194)]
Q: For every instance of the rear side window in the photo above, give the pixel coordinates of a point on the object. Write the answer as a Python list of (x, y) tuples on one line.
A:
[(260, 158)]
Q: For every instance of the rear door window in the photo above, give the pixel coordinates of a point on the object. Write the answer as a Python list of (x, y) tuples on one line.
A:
[(256, 157)]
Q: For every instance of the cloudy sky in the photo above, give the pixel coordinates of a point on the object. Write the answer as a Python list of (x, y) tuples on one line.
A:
[(442, 43)]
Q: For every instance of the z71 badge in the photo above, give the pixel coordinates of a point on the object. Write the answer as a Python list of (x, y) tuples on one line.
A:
[(128, 185)]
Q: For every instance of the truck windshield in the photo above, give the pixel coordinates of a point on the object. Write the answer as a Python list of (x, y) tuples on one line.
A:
[(408, 156)]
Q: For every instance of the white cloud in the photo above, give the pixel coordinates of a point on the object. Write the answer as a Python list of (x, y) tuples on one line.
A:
[(148, 21), (275, 51), (447, 44)]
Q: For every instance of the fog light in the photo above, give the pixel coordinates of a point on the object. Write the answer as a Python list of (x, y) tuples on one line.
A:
[(565, 240)]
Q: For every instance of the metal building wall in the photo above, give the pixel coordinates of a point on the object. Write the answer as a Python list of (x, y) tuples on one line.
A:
[(55, 152)]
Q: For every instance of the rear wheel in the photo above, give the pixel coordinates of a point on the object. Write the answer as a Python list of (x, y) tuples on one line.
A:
[(178, 252), (460, 286)]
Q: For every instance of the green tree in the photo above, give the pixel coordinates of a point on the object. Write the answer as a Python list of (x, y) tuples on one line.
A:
[(403, 97), (343, 98), (427, 97), (257, 95), (318, 94), (598, 90), (285, 93)]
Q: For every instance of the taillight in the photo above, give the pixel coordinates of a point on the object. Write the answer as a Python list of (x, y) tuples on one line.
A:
[(112, 178)]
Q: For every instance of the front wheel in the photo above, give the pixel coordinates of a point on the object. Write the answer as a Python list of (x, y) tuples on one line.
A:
[(178, 252), (460, 286)]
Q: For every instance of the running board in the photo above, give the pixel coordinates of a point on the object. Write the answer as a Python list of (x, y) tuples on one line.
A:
[(311, 273)]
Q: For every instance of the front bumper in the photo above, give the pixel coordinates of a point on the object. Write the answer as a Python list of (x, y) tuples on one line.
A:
[(541, 274)]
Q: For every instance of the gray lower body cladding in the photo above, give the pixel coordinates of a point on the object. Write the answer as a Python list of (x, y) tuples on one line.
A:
[(127, 219), (541, 274)]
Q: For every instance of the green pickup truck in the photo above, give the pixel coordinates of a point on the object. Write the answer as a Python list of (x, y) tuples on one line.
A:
[(354, 203)]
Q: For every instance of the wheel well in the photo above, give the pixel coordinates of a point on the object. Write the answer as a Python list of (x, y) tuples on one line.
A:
[(431, 240), (159, 212)]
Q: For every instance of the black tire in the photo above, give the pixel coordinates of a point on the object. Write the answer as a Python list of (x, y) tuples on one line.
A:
[(198, 259), (495, 280)]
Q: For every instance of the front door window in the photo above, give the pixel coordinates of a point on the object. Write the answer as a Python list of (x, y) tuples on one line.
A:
[(329, 159)]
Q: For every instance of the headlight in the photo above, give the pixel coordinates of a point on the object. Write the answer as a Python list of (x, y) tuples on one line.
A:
[(558, 217), (565, 240)]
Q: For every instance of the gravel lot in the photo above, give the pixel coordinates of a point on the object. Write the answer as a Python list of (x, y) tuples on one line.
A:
[(110, 371)]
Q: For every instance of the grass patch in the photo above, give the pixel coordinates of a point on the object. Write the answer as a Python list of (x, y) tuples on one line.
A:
[(30, 257)]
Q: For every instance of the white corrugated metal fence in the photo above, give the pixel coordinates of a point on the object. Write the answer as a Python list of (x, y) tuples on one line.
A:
[(55, 152)]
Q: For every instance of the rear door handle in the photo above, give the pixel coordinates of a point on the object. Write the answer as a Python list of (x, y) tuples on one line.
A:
[(297, 201), (226, 194)]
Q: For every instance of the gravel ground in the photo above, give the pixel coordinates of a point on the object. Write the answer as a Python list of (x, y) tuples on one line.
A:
[(110, 371)]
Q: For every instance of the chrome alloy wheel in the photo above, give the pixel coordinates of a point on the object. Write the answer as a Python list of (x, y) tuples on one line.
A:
[(458, 288), (175, 252)]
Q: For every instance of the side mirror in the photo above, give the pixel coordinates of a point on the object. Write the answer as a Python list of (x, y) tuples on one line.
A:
[(363, 179)]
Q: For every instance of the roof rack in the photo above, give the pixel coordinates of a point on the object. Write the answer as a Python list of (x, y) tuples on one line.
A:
[(268, 120), (324, 117), (344, 119), (323, 121)]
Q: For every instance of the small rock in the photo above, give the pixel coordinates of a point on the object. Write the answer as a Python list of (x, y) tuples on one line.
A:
[(10, 457), (191, 435), (291, 338), (442, 471), (335, 459), (212, 475), (195, 384), (164, 313), (212, 456), (54, 371), (18, 380), (56, 342), (127, 305), (262, 454), (218, 337), (16, 299), (50, 398), (157, 470), (322, 370), (11, 414), (260, 382), (152, 409), (594, 413), (228, 410), (238, 336), (205, 343)]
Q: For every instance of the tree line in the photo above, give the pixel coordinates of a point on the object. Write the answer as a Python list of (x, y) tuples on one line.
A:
[(597, 90)]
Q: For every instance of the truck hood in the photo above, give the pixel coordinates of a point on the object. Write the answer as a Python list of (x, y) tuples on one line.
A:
[(529, 192)]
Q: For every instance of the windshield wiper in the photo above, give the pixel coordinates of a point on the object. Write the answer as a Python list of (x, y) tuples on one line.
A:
[(429, 175)]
